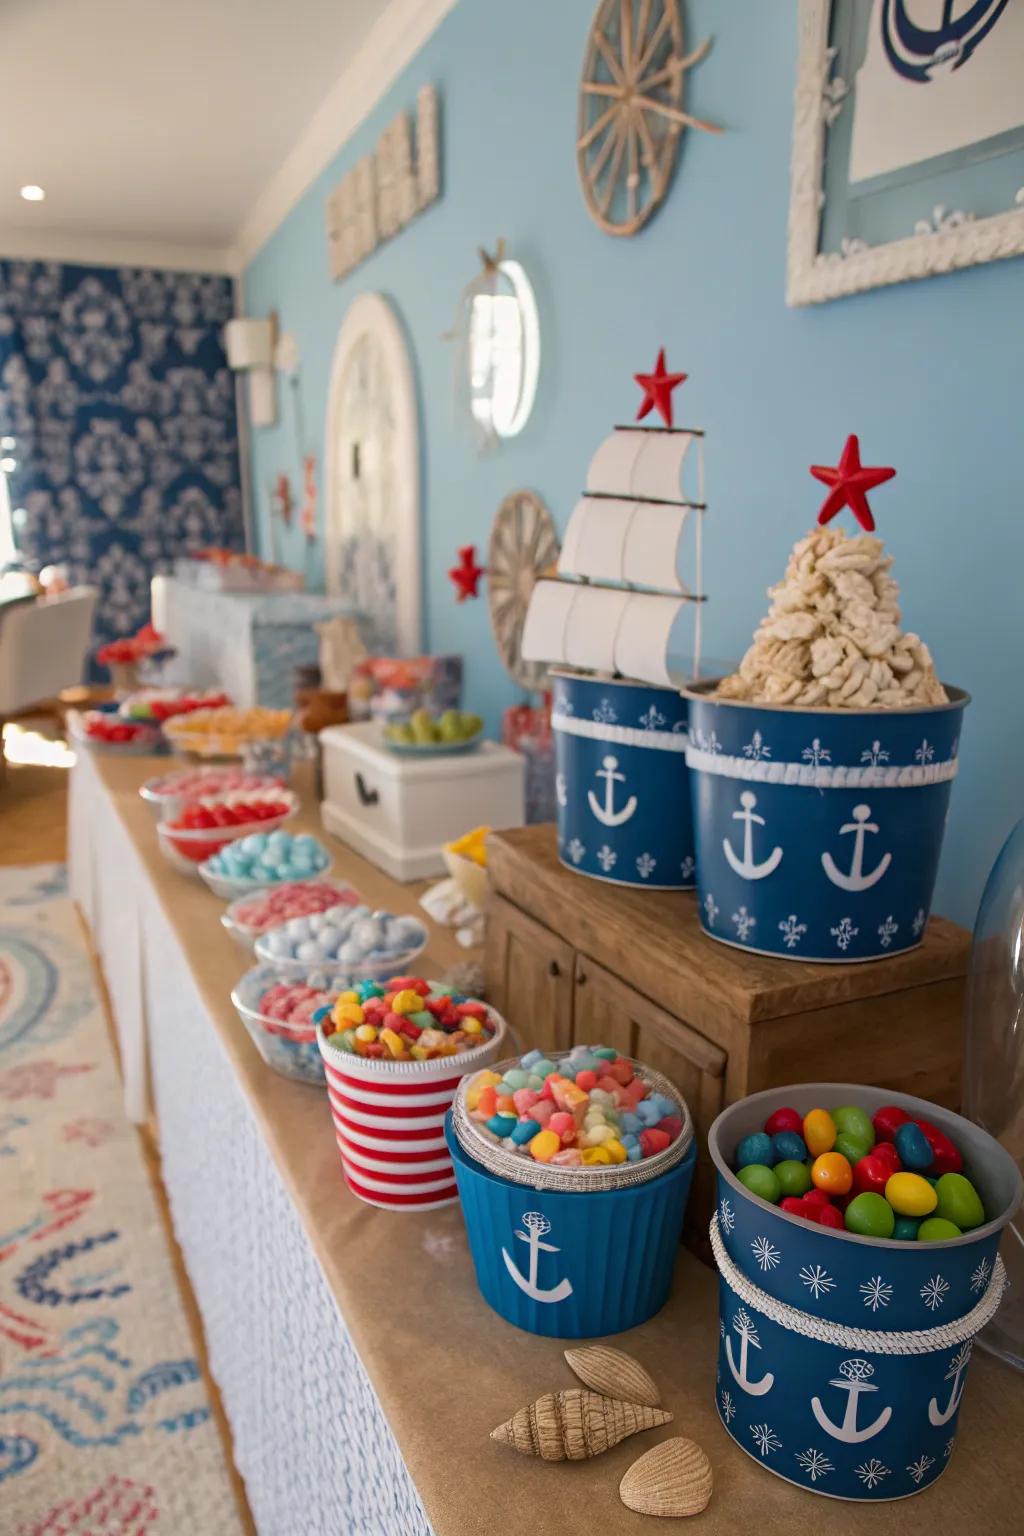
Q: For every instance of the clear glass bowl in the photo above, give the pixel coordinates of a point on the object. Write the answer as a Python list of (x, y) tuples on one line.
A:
[(293, 1052), (994, 1061), (381, 969), (168, 793)]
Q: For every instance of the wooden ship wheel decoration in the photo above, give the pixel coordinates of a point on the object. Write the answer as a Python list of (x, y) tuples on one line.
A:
[(523, 547), (631, 110)]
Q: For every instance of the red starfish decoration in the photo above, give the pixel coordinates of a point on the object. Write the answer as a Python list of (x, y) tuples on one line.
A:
[(466, 575), (849, 482), (657, 388)]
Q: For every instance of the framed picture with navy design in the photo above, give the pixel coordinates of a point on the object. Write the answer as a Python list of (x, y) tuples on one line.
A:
[(908, 142)]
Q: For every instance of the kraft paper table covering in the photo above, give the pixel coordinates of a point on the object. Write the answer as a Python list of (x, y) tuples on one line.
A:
[(447, 1370)]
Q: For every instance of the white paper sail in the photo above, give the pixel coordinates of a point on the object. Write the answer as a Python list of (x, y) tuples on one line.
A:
[(644, 544), (649, 636), (635, 462)]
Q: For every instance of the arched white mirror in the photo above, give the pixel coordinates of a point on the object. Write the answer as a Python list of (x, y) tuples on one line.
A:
[(372, 544)]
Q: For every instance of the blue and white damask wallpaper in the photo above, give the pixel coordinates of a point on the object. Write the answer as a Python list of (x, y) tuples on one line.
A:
[(115, 388)]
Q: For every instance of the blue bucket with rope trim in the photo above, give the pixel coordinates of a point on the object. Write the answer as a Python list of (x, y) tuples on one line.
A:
[(818, 831), (621, 782), (843, 1359)]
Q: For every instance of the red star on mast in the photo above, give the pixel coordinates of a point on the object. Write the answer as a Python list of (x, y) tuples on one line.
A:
[(849, 482), (657, 388), (466, 575)]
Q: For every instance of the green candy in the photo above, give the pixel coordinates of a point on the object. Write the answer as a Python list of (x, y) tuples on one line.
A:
[(345, 1041), (761, 1181), (852, 1147), (905, 1230), (959, 1202), (936, 1229), (793, 1178), (855, 1122), (870, 1215), (607, 1052)]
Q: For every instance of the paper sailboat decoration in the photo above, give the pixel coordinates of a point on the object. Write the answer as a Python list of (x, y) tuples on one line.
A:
[(628, 599)]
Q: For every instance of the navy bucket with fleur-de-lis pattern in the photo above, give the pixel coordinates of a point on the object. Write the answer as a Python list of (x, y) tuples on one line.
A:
[(621, 782), (818, 831), (843, 1359)]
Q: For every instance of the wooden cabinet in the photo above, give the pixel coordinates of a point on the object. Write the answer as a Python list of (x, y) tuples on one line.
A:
[(571, 960)]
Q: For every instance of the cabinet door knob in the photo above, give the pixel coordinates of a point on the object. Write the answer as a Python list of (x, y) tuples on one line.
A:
[(554, 969), (581, 978)]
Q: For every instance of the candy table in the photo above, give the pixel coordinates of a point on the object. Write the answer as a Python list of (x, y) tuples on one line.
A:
[(360, 1369)]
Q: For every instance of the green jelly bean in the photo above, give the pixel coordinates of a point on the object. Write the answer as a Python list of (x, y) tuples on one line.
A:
[(959, 1202), (905, 1230), (855, 1122), (936, 1229), (761, 1181), (346, 1041), (605, 1051), (794, 1178), (870, 1215), (852, 1147)]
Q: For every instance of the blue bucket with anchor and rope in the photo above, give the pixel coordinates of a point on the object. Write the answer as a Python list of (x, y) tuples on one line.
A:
[(572, 1253), (621, 782), (843, 1359), (818, 831)]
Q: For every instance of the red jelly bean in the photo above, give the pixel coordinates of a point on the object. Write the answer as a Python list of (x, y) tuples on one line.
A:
[(816, 1197), (795, 1206), (871, 1173), (586, 1080), (945, 1156), (886, 1150), (887, 1122), (654, 1141), (620, 1070), (784, 1119), (830, 1216)]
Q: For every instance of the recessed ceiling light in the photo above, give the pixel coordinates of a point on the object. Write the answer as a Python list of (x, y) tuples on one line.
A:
[(32, 193)]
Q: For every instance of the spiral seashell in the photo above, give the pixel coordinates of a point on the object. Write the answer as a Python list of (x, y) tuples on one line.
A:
[(572, 1425), (613, 1373), (672, 1479)]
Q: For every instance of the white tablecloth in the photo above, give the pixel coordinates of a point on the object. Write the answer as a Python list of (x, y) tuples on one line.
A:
[(310, 1439)]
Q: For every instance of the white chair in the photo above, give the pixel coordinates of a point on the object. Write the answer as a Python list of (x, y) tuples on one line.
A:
[(43, 647)]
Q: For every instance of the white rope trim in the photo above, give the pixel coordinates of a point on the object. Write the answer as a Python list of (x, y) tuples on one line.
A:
[(824, 776), (922, 1341), (620, 735)]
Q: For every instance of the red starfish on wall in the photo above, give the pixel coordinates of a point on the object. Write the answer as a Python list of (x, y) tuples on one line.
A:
[(657, 388), (849, 481), (466, 575)]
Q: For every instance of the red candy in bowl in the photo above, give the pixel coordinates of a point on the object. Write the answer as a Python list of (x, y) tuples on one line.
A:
[(203, 826)]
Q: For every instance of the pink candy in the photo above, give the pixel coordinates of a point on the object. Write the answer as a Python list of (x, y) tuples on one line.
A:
[(292, 1003), (296, 898)]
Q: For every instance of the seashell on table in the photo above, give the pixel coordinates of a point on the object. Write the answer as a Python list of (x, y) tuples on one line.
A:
[(672, 1479), (575, 1424), (613, 1373)]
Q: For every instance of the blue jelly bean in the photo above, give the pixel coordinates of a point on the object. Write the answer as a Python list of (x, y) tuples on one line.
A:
[(632, 1123), (787, 1146), (502, 1125), (756, 1148), (634, 1154), (630, 1140), (912, 1146), (531, 1058), (524, 1131)]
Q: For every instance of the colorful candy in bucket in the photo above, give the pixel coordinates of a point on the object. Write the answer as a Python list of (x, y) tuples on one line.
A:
[(567, 1244), (394, 1054), (845, 1341)]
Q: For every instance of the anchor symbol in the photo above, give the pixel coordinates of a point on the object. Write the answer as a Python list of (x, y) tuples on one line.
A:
[(561, 793), (856, 880), (744, 1326), (536, 1225), (607, 813), (957, 1366), (853, 1381), (746, 866)]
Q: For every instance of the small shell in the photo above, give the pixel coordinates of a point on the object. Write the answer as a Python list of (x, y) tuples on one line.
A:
[(572, 1425), (614, 1373), (673, 1478)]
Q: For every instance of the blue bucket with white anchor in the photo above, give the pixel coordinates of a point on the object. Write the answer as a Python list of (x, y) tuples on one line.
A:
[(572, 1253), (818, 831), (843, 1359), (621, 782)]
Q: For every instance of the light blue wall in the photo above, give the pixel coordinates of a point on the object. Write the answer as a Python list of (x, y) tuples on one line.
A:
[(931, 374)]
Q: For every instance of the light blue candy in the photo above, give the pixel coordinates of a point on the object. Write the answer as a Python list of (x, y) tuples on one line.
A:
[(634, 1154), (254, 843), (587, 1062), (515, 1077), (629, 1140), (632, 1123), (544, 1068), (648, 1112), (502, 1125), (525, 1131), (535, 1082), (756, 1148), (531, 1059)]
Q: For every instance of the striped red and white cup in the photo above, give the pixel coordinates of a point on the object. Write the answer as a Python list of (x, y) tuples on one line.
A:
[(389, 1121)]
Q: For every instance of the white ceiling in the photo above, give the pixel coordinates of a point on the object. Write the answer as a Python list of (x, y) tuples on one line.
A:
[(180, 131)]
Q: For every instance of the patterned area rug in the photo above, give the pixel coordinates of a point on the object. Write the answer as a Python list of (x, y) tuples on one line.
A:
[(105, 1423)]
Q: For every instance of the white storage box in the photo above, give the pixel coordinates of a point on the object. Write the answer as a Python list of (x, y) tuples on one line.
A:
[(398, 811)]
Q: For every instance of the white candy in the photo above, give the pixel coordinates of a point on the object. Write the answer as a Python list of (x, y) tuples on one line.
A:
[(310, 952), (298, 928), (330, 939), (368, 934), (351, 953)]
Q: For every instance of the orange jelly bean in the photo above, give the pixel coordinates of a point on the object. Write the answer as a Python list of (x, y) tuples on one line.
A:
[(832, 1174), (819, 1132)]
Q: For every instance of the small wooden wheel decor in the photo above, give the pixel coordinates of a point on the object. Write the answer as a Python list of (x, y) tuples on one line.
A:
[(523, 547), (631, 110)]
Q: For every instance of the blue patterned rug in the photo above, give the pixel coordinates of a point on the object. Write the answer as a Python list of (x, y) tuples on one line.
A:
[(105, 1423)]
